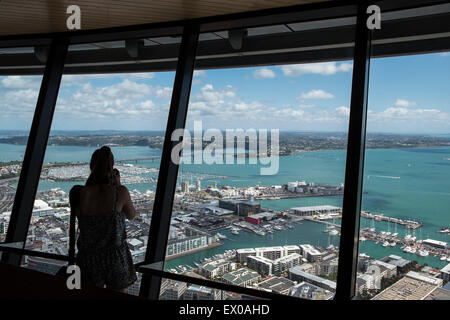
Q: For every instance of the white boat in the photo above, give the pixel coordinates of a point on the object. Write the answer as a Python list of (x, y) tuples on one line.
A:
[(386, 244), (362, 239), (220, 236), (443, 258), (334, 232), (407, 249), (423, 253), (393, 244), (413, 250), (395, 234), (448, 259)]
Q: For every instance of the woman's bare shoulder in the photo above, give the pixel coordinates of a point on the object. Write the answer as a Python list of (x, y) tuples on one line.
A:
[(123, 190)]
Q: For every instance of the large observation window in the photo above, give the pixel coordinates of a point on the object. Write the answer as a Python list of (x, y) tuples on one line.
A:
[(404, 223), (125, 111), (258, 201), (18, 96)]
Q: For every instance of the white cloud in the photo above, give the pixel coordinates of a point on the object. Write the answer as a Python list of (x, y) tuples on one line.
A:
[(164, 93), (316, 94), (21, 82), (405, 103), (343, 111), (323, 68), (396, 114), (444, 54), (263, 73), (306, 106), (199, 73)]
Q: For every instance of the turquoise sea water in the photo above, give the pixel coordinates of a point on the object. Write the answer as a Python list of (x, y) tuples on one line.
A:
[(403, 183)]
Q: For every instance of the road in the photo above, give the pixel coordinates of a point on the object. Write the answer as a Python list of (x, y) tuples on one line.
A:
[(7, 194)]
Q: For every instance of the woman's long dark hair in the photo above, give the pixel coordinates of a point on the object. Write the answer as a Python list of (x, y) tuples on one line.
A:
[(102, 163)]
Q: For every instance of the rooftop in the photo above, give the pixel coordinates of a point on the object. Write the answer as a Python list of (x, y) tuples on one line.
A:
[(297, 271), (277, 284), (406, 288)]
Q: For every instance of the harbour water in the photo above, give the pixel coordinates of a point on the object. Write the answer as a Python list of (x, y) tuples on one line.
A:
[(411, 184)]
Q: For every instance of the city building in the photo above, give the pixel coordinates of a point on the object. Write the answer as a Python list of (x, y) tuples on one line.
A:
[(262, 265), (439, 294), (367, 281), (241, 277), (445, 272), (435, 243), (297, 274), (172, 290), (259, 217), (310, 291), (283, 264), (386, 270), (277, 284), (194, 292), (402, 264), (310, 253), (242, 254), (184, 186), (316, 210), (413, 286), (189, 243), (44, 265), (242, 208), (271, 253), (41, 208), (214, 269), (327, 267)]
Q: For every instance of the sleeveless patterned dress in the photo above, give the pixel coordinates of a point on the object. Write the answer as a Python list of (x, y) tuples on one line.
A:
[(103, 254)]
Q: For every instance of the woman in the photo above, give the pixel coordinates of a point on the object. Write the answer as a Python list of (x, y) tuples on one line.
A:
[(101, 207)]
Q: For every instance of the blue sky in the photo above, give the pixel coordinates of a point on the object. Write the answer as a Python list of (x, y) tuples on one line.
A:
[(407, 94)]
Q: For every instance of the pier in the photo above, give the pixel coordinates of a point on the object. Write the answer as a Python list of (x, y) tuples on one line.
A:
[(323, 221), (135, 160), (380, 217)]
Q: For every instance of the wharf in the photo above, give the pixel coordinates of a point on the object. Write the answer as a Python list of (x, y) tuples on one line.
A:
[(380, 217)]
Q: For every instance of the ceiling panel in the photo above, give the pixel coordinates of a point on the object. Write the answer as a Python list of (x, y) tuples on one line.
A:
[(45, 16)]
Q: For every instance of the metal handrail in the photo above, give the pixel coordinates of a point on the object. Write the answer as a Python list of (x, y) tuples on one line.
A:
[(141, 267)]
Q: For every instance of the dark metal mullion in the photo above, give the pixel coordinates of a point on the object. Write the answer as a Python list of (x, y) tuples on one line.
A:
[(348, 248), (35, 150), (168, 171)]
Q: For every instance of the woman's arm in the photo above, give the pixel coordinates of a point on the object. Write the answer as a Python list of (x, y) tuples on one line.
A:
[(128, 207)]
